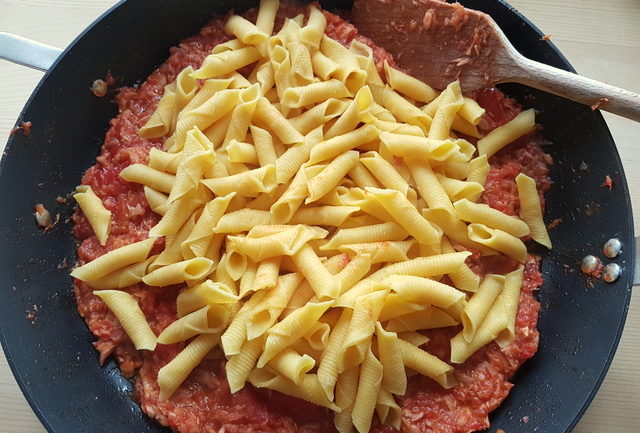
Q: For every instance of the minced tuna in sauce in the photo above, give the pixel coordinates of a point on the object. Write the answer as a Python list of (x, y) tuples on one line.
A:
[(203, 403)]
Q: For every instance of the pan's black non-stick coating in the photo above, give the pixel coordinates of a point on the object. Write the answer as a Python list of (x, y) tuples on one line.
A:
[(52, 358)]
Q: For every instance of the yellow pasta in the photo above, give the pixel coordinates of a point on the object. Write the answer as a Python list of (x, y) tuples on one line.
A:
[(309, 388), (99, 217), (187, 270), (394, 379), (323, 283), (423, 290), (479, 304), (531, 210), (408, 85), (217, 65), (522, 124), (176, 371), (114, 260), (427, 364), (128, 312), (406, 215), (356, 112), (264, 316), (290, 329), (124, 277), (239, 366), (418, 320), (337, 145), (498, 240), (369, 386), (330, 175), (296, 97), (484, 214), (145, 175), (244, 30), (249, 183), (267, 15)]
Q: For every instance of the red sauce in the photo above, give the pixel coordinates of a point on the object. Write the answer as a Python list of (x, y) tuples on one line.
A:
[(203, 403)]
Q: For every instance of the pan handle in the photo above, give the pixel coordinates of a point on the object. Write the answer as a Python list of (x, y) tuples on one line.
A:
[(27, 52)]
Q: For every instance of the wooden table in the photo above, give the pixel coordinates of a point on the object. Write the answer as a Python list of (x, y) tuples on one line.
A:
[(601, 39)]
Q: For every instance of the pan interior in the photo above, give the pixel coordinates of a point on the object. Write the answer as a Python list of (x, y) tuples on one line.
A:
[(580, 325)]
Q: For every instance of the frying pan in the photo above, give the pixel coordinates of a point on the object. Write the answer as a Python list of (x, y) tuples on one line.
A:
[(53, 360)]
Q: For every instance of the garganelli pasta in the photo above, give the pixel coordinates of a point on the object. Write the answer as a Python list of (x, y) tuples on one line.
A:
[(319, 212)]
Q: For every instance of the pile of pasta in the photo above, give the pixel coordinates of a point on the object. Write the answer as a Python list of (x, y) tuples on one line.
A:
[(311, 210)]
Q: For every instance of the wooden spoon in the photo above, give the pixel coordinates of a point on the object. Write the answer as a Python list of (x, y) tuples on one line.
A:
[(439, 42)]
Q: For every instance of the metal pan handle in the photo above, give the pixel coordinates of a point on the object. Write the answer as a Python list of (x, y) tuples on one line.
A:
[(27, 52)]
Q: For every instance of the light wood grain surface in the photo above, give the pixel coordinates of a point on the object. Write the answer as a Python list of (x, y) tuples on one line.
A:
[(602, 41)]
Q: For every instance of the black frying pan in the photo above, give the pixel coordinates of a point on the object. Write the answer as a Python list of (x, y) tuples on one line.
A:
[(53, 360)]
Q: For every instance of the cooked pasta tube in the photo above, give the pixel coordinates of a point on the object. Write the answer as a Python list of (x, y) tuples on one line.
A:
[(145, 175), (124, 277), (361, 328), (408, 85), (394, 378), (323, 215), (330, 175), (369, 386), (187, 270), (406, 215), (287, 242), (272, 305), (277, 123), (321, 280), (114, 260), (346, 390), (239, 366), (290, 329), (128, 312), (99, 217), (246, 32), (267, 15), (522, 124), (427, 365), (531, 210), (292, 365), (380, 252), (207, 293), (190, 325), (479, 304), (484, 214), (158, 202), (312, 33), (423, 290), (420, 148), (309, 388), (420, 266), (339, 144), (402, 109), (388, 231), (296, 97), (217, 65), (197, 242), (171, 375), (330, 363), (388, 410), (498, 240), (356, 112), (249, 183), (425, 319)]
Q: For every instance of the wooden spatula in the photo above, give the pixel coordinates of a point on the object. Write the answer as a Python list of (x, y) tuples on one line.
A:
[(439, 42)]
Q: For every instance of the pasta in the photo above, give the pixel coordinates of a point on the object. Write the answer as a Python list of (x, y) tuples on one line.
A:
[(317, 219)]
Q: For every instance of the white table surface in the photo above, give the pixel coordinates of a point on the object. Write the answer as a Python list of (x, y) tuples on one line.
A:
[(600, 38)]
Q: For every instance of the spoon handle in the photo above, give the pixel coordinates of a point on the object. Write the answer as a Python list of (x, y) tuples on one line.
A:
[(581, 89)]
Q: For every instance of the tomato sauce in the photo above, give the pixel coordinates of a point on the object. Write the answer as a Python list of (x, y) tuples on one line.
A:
[(204, 403)]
